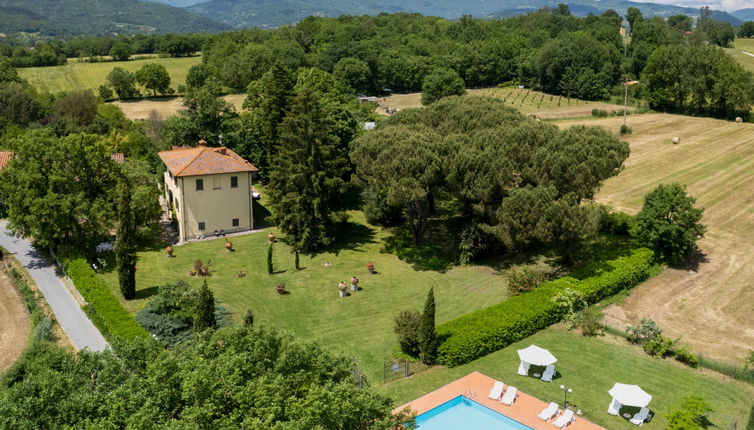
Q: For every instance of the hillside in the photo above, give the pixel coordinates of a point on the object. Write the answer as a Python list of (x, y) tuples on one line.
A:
[(70, 18), (271, 13), (744, 14)]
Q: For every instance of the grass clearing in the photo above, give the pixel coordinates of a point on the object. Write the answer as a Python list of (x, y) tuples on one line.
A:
[(742, 46), (530, 102), (360, 325), (164, 106), (707, 302), (14, 321), (75, 76), (590, 366)]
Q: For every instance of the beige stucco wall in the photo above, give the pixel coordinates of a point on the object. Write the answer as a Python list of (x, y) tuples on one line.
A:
[(216, 205)]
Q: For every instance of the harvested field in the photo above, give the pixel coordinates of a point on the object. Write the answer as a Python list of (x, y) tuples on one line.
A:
[(165, 106), (709, 303), (542, 105), (14, 323)]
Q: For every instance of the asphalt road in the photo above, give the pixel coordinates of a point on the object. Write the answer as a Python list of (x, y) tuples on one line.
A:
[(71, 318)]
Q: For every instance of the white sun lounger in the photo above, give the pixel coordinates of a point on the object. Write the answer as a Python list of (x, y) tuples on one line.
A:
[(564, 420), (614, 407), (496, 391), (548, 374), (549, 412), (640, 417), (510, 396), (523, 369)]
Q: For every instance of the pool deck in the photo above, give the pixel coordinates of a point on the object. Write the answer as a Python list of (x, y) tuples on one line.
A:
[(524, 410)]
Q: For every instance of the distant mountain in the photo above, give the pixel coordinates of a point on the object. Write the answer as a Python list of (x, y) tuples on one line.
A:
[(178, 3), (273, 13), (69, 18), (744, 14)]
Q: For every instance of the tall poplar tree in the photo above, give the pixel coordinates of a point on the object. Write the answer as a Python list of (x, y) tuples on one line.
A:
[(427, 336), (125, 248), (306, 179)]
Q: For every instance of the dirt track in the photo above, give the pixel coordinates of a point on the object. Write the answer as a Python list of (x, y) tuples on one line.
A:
[(710, 302), (14, 323)]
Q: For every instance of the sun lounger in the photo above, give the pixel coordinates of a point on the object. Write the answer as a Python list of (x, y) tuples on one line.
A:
[(564, 420), (549, 373), (614, 407), (640, 417), (510, 396), (549, 412), (497, 390), (523, 369)]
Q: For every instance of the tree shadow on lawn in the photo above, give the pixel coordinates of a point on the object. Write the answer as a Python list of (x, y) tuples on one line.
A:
[(262, 216), (146, 293), (693, 262), (350, 236)]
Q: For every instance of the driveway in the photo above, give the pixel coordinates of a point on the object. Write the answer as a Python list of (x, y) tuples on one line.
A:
[(71, 318)]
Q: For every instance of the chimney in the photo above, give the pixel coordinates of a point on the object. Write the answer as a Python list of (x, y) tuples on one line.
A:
[(202, 142)]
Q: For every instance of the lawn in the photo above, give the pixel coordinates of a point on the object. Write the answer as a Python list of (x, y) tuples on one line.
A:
[(739, 49), (360, 325), (590, 366), (543, 105), (74, 76)]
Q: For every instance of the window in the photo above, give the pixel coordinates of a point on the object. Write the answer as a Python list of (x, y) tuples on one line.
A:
[(235, 222), (201, 225), (234, 181), (199, 184), (216, 183), (177, 206)]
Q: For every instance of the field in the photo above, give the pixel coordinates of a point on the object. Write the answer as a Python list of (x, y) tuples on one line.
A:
[(14, 322), (164, 106), (360, 325), (743, 52), (74, 75), (710, 302), (529, 102), (590, 366)]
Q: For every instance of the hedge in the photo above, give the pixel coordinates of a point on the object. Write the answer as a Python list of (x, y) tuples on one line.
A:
[(103, 308), (487, 330)]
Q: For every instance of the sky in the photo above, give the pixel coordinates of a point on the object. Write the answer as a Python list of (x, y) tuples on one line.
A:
[(727, 5)]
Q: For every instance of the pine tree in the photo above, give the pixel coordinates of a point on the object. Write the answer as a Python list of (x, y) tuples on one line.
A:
[(427, 336), (125, 249), (204, 318), (269, 259), (306, 179)]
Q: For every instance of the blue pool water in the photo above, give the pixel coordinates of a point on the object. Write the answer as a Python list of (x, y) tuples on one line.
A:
[(464, 413)]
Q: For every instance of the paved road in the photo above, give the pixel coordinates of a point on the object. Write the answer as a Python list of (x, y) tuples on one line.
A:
[(74, 321)]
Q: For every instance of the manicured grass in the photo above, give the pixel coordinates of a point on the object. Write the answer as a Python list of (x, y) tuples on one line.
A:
[(737, 51), (590, 366), (359, 326), (74, 76)]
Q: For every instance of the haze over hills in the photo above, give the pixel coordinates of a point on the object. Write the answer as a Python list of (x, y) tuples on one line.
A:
[(272, 13), (70, 18)]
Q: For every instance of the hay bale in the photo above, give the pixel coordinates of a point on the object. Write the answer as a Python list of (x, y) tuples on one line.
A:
[(739, 120), (676, 140)]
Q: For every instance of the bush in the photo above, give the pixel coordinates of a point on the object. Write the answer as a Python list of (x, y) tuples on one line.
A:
[(525, 280), (589, 322), (376, 209), (103, 308), (601, 113), (692, 415), (645, 331), (750, 426), (490, 329), (43, 330), (616, 223), (624, 129), (684, 354), (660, 346), (407, 326)]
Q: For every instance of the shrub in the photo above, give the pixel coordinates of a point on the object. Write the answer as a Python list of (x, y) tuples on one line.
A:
[(102, 307), (525, 280), (473, 240), (490, 329), (750, 426), (43, 330), (690, 416), (645, 331), (376, 209), (407, 326), (589, 322), (660, 346), (571, 301), (624, 129), (684, 354), (599, 113), (616, 223)]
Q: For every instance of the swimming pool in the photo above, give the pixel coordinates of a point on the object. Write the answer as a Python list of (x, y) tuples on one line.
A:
[(464, 413)]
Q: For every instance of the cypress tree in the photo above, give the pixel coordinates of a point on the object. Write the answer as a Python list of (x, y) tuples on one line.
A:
[(248, 318), (427, 336), (295, 252), (269, 259), (125, 249), (306, 179), (204, 317)]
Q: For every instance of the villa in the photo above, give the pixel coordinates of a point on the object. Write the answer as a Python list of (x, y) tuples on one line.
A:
[(209, 190)]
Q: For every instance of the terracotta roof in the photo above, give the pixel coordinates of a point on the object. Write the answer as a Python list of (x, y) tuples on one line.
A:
[(5, 156), (118, 157), (203, 160)]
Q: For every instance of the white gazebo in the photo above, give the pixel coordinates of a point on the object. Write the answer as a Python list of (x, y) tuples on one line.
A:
[(627, 395), (536, 356)]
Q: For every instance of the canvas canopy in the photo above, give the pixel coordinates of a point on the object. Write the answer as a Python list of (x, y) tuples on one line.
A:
[(536, 356), (630, 395)]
